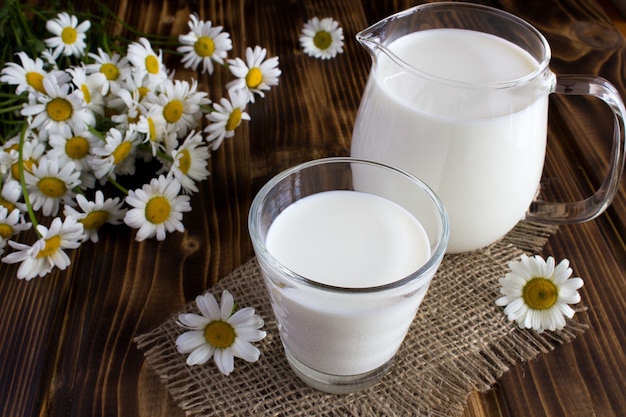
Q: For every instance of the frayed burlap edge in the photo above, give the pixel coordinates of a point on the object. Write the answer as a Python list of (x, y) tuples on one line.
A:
[(460, 341)]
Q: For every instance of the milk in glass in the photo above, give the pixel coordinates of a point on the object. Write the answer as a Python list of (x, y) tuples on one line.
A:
[(479, 148), (353, 240)]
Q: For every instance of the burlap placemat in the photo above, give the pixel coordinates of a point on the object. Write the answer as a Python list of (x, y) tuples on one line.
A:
[(460, 341)]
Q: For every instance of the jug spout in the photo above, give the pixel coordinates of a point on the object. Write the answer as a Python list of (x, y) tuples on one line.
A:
[(370, 38), (378, 36)]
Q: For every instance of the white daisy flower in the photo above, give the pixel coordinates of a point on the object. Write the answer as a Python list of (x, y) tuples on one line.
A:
[(155, 129), (139, 87), (117, 155), (256, 74), (11, 223), (51, 184), (47, 252), (89, 88), (114, 67), (227, 117), (76, 148), (537, 294), (146, 61), (10, 196), (58, 111), (322, 38), (219, 333), (70, 36), (157, 208), (32, 151), (48, 56), (130, 112), (96, 213), (181, 103), (190, 162), (204, 44), (27, 77)]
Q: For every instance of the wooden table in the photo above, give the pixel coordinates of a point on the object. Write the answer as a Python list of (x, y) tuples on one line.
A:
[(66, 340)]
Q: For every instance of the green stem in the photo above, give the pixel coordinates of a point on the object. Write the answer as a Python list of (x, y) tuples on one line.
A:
[(117, 185), (20, 164), (11, 109)]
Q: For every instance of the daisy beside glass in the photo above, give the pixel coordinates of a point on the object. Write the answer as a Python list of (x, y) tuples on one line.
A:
[(220, 332), (536, 293), (322, 38), (85, 121)]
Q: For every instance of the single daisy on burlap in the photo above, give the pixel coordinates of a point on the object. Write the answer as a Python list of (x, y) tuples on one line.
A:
[(220, 333), (322, 38), (157, 208), (204, 44), (537, 294), (70, 36)]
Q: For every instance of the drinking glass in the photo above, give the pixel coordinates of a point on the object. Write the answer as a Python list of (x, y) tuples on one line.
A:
[(339, 338)]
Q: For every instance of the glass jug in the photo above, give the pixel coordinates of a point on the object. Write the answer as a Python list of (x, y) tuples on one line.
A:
[(458, 96)]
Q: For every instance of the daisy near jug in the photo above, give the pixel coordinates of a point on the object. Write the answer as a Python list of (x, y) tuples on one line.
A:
[(458, 96)]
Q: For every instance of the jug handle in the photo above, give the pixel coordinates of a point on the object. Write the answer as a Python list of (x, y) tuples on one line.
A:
[(593, 206)]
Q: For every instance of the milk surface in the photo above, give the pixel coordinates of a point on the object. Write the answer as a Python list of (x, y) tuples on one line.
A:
[(355, 240), (480, 149), (348, 239)]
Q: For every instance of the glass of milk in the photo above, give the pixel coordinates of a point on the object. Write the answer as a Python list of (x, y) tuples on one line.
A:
[(458, 96), (348, 248)]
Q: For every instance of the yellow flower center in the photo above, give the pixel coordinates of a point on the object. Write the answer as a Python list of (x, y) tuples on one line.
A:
[(59, 109), (52, 245), (121, 152), (233, 119), (35, 80), (95, 219), (204, 47), (540, 293), (28, 166), (69, 35), (152, 64), (86, 93), (6, 231), (254, 77), (110, 71), (7, 204), (151, 129), (52, 187), (322, 40), (143, 92), (77, 147), (173, 111), (158, 209), (184, 162), (220, 334)]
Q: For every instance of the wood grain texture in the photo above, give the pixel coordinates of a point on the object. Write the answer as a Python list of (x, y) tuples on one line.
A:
[(66, 341)]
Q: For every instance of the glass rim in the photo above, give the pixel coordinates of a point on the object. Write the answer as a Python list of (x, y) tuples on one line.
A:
[(543, 65), (433, 261)]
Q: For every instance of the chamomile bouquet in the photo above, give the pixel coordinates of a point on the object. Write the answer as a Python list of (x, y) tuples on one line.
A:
[(77, 116)]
